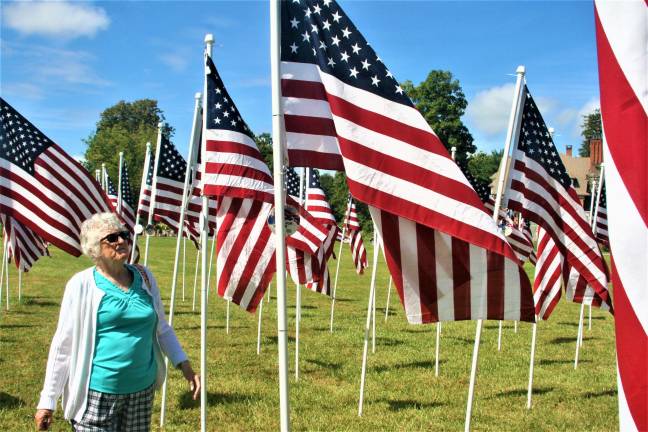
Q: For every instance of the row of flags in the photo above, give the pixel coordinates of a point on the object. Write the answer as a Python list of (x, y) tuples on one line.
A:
[(343, 109)]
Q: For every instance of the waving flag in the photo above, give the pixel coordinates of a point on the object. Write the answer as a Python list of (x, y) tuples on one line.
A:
[(344, 109), (540, 188), (621, 37), (547, 285), (358, 252), (144, 201), (41, 186), (23, 245), (236, 173), (601, 224), (127, 211)]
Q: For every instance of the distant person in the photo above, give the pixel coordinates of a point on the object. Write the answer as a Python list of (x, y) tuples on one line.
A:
[(106, 355)]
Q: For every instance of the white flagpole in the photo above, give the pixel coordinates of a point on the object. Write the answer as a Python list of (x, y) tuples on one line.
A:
[(532, 363), (138, 228), (436, 349), (511, 135), (365, 348), (259, 327), (104, 184), (204, 230), (594, 225), (303, 174), (184, 263), (278, 163), (227, 318), (373, 305), (388, 295), (149, 224), (579, 337), (499, 337), (2, 268), (211, 260), (98, 176), (20, 273), (192, 157), (339, 259), (6, 263), (119, 183), (193, 303)]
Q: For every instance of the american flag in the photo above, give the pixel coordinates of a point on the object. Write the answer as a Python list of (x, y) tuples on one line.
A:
[(358, 252), (342, 104), (623, 68), (344, 109), (316, 201), (541, 189), (601, 224), (23, 245), (236, 173), (127, 214), (306, 247), (144, 201), (547, 285), (41, 186), (521, 241)]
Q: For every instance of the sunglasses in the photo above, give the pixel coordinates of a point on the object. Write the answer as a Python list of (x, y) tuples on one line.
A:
[(114, 237)]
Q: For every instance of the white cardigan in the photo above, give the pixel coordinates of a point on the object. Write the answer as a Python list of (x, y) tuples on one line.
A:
[(70, 357)]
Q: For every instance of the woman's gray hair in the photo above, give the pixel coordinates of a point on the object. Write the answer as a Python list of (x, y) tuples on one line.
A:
[(95, 228)]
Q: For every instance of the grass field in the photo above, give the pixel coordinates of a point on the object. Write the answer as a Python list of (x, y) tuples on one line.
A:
[(402, 392)]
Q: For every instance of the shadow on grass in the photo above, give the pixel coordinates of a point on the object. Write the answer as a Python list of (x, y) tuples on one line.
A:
[(33, 301), (463, 340), (561, 361), (388, 341), (8, 402), (8, 326), (405, 404), (427, 364), (610, 392), (523, 392), (274, 339), (564, 340), (409, 330), (325, 365), (186, 402)]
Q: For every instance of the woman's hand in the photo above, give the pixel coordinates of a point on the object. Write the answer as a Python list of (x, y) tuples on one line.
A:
[(43, 419), (190, 375)]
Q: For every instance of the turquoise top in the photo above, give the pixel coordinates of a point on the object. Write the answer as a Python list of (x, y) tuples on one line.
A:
[(124, 361)]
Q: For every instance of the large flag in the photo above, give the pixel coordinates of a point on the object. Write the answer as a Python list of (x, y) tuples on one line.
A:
[(622, 41), (144, 201), (541, 190), (23, 245), (358, 252), (127, 202), (236, 173), (169, 184), (601, 224), (344, 109), (41, 186)]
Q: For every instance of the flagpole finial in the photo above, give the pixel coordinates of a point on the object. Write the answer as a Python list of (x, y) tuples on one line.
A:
[(198, 95), (209, 39), (521, 70)]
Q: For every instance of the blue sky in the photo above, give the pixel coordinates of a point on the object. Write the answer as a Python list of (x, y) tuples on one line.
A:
[(63, 63)]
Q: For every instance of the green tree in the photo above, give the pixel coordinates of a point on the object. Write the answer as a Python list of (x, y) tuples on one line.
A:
[(127, 127), (264, 142), (337, 192), (483, 165), (590, 129), (442, 102)]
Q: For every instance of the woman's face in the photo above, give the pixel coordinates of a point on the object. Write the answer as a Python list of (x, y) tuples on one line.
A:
[(115, 246)]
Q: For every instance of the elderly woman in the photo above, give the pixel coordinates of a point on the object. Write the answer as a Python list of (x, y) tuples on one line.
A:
[(106, 355)]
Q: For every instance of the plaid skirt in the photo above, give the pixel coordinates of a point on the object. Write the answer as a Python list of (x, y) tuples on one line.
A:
[(107, 412)]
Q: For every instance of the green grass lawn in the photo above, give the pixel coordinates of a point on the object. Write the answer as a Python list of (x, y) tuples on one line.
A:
[(402, 392)]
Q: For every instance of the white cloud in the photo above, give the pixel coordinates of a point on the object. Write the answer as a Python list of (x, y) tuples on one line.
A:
[(489, 110), (177, 62), (58, 19)]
